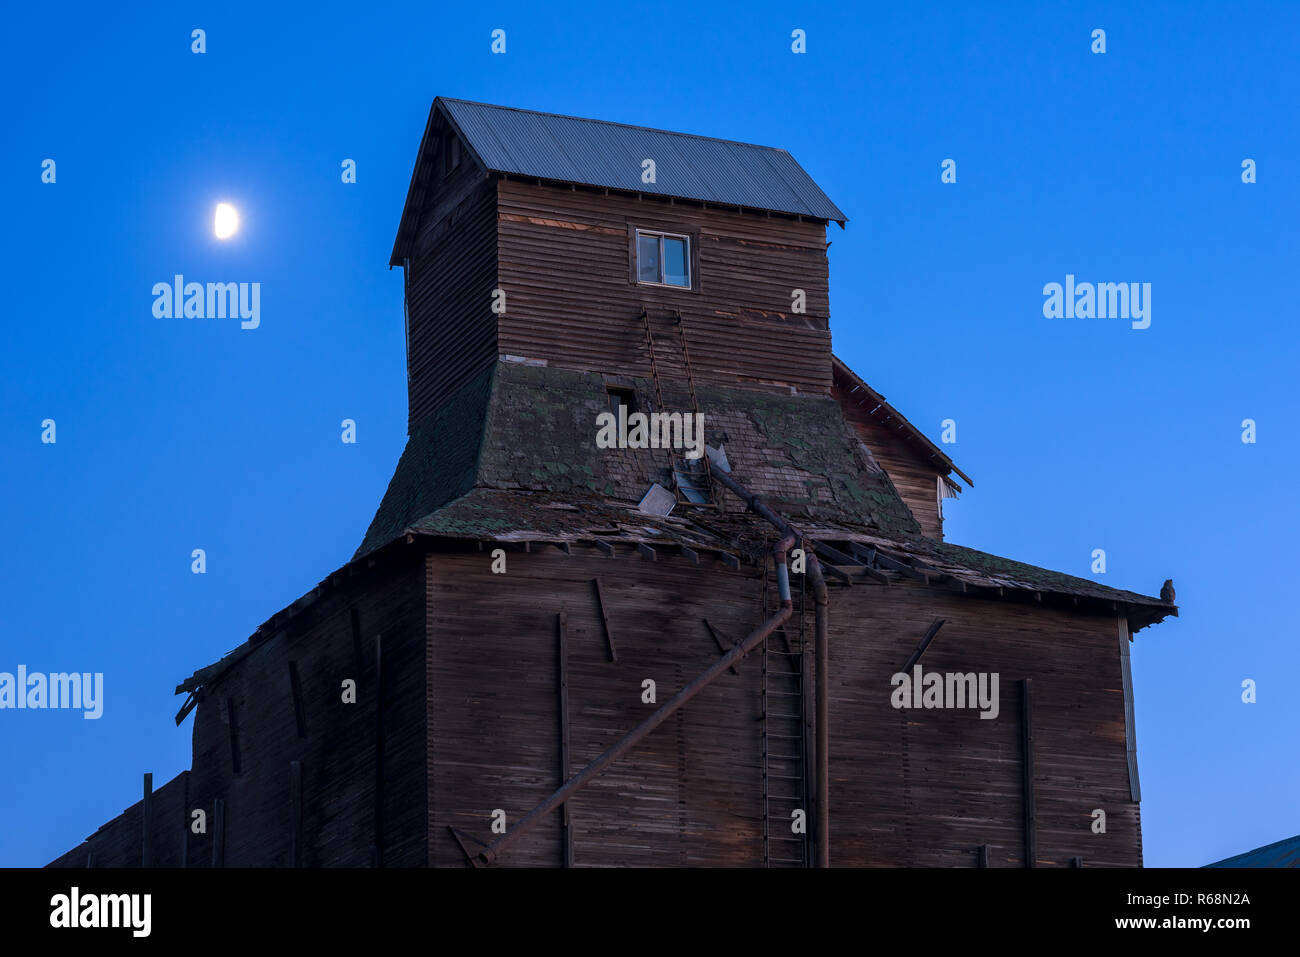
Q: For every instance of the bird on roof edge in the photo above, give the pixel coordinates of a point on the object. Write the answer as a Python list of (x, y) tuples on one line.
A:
[(1167, 591)]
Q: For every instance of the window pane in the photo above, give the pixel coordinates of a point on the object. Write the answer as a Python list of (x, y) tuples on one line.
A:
[(675, 272), (647, 259)]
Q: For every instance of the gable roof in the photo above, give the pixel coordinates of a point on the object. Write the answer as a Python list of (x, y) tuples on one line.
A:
[(891, 418), (573, 149)]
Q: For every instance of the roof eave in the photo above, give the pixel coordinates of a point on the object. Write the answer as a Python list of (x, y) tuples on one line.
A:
[(912, 431)]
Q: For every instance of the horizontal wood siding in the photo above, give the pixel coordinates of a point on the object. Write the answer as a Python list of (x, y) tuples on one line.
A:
[(927, 787), (566, 268), (906, 466), (908, 787), (337, 753), (689, 795), (449, 300), (118, 843)]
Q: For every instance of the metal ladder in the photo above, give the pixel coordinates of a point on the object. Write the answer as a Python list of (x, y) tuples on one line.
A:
[(784, 743), (687, 476)]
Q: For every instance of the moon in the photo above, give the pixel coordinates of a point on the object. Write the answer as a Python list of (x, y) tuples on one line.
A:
[(226, 221)]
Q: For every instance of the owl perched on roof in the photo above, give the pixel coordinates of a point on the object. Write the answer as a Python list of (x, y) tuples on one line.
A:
[(1167, 591)]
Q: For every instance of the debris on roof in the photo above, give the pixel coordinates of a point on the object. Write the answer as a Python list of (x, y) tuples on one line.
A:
[(658, 501)]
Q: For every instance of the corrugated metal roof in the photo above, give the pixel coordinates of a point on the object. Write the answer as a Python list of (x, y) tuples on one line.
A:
[(1285, 853), (597, 153)]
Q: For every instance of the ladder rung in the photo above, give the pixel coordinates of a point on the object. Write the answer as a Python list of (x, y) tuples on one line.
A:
[(783, 777), (783, 694), (784, 757), (787, 737), (786, 860)]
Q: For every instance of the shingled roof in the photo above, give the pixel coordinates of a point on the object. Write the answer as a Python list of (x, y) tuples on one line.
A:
[(511, 458)]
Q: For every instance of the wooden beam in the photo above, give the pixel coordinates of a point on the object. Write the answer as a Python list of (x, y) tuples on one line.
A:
[(295, 814), (377, 848), (902, 567), (562, 654), (1027, 752), (691, 554), (185, 819), (604, 618), (838, 573), (471, 858), (190, 704), (146, 842), (219, 833), (234, 735), (355, 617), (834, 555), (982, 856), (1130, 729), (731, 561), (646, 551), (723, 646), (925, 643), (605, 547), (299, 709), (1076, 862)]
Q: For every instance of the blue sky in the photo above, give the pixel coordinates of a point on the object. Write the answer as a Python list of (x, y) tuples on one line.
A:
[(1080, 434)]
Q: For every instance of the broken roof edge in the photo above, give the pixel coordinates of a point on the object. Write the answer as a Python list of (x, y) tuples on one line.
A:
[(912, 431), (1152, 610)]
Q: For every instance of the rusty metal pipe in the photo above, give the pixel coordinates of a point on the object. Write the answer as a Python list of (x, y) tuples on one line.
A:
[(821, 662), (634, 737)]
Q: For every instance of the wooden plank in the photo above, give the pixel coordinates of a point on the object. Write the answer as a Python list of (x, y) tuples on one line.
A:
[(299, 709), (1130, 726), (723, 646), (1027, 745), (295, 814), (646, 551), (924, 643), (354, 616), (604, 619), (234, 735), (377, 848), (146, 837), (219, 833), (562, 682)]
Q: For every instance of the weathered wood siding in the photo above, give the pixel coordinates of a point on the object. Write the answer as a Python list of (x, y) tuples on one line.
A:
[(906, 466), (337, 753), (565, 265), (690, 795), (928, 786), (119, 842), (449, 290), (908, 787)]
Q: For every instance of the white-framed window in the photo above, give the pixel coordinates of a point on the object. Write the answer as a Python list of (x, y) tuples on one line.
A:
[(663, 259)]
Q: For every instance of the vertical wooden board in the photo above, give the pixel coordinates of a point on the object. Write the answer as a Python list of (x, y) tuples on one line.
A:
[(946, 781), (688, 794)]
